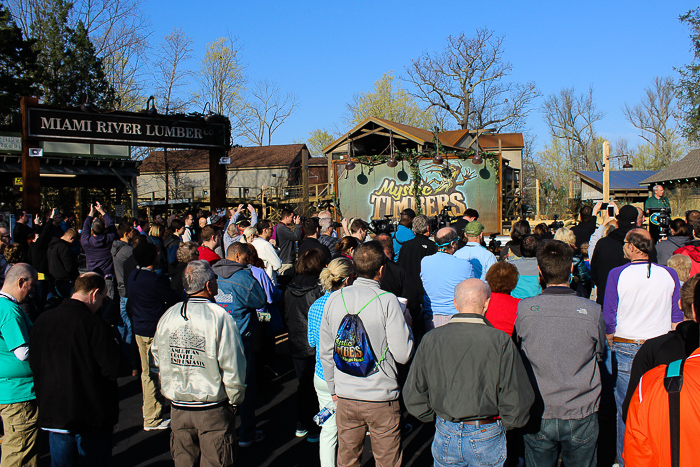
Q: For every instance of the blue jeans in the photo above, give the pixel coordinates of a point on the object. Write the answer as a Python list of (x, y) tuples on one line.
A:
[(87, 449), (459, 444), (622, 357), (578, 440), (124, 325)]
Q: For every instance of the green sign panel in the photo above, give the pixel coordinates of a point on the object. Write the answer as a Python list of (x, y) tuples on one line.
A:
[(457, 184)]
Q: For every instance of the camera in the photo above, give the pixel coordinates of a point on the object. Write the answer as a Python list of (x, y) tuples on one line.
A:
[(661, 217), (382, 225), (494, 245), (556, 224), (336, 225), (444, 219)]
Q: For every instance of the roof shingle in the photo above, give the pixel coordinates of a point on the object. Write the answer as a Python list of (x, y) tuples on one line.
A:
[(686, 168), (241, 158)]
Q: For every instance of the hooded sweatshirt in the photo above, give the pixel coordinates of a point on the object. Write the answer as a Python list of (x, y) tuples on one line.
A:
[(298, 298), (98, 256), (666, 248), (239, 294), (692, 250), (63, 264), (607, 256), (121, 252)]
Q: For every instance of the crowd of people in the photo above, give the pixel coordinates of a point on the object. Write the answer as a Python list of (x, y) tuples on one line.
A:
[(513, 357)]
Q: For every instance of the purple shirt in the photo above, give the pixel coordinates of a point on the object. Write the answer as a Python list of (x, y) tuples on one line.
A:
[(98, 248)]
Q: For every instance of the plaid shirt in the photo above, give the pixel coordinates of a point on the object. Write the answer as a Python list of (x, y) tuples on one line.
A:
[(315, 315)]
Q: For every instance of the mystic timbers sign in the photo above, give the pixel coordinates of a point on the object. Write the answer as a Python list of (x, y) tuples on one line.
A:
[(456, 184), (121, 127)]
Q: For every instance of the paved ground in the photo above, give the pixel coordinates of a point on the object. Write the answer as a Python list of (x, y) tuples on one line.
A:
[(275, 415)]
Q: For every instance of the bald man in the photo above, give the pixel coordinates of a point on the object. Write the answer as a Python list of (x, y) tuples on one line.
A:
[(468, 377), (440, 273)]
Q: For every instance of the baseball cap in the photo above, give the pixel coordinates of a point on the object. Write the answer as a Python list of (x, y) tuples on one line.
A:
[(473, 228)]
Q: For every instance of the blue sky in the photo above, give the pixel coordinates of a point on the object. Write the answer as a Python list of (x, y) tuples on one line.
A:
[(325, 52)]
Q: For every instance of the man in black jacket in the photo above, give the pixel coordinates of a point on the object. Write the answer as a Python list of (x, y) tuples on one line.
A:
[(608, 252), (310, 241), (63, 264), (75, 376), (149, 296), (410, 256)]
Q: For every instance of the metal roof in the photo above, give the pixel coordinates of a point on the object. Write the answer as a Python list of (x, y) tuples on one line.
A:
[(619, 179)]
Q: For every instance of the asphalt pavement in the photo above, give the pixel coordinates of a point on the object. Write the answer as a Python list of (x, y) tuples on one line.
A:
[(275, 416)]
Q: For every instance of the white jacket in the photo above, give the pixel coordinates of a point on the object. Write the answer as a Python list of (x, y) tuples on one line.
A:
[(200, 359)]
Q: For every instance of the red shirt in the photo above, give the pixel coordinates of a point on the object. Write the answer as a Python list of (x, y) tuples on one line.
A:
[(502, 311), (208, 254)]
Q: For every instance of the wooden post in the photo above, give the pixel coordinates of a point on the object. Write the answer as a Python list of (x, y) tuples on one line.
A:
[(31, 194), (305, 180), (571, 189), (537, 198), (217, 180), (606, 172)]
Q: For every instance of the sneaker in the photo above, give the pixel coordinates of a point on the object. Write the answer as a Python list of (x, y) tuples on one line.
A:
[(259, 436), (313, 438), (407, 429), (301, 433), (164, 425)]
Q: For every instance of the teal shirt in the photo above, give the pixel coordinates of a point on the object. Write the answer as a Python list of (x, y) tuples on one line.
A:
[(16, 382)]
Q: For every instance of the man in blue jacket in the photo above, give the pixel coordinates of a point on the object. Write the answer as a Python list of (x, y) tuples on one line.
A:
[(240, 294)]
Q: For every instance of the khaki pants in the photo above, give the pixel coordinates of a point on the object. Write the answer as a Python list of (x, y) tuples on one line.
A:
[(383, 419), (19, 447), (204, 437), (150, 386)]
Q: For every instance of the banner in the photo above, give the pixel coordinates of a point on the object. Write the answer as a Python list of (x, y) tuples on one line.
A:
[(456, 184)]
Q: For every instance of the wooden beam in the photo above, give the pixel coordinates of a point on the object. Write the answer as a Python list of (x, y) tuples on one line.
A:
[(217, 180), (31, 166)]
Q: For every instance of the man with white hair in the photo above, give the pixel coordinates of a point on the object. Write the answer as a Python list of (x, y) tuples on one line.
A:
[(468, 376), (199, 353), (17, 400), (652, 205)]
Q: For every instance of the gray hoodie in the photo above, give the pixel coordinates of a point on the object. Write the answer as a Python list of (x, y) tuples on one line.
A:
[(385, 326), (121, 251)]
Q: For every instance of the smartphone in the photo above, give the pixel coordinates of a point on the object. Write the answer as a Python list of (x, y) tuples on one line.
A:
[(611, 211), (603, 206)]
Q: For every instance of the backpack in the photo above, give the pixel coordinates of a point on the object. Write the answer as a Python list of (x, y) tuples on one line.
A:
[(353, 353)]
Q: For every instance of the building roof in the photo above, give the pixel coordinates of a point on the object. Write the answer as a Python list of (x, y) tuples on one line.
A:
[(626, 180), (448, 139), (685, 169), (418, 135), (241, 158)]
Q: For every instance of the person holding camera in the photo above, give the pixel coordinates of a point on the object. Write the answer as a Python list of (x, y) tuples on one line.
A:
[(656, 201)]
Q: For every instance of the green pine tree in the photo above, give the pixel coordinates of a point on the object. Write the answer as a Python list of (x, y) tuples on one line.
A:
[(17, 67), (71, 72)]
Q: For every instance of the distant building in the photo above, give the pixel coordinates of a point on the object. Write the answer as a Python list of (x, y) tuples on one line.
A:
[(624, 185), (251, 174), (681, 180)]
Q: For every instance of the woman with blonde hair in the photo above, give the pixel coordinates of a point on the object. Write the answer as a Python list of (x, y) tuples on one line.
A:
[(339, 273), (249, 234)]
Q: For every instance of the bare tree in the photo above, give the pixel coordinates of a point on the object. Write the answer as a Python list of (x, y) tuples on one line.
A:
[(571, 120), (264, 112), (221, 77), (467, 80), (175, 50), (171, 76), (653, 116)]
